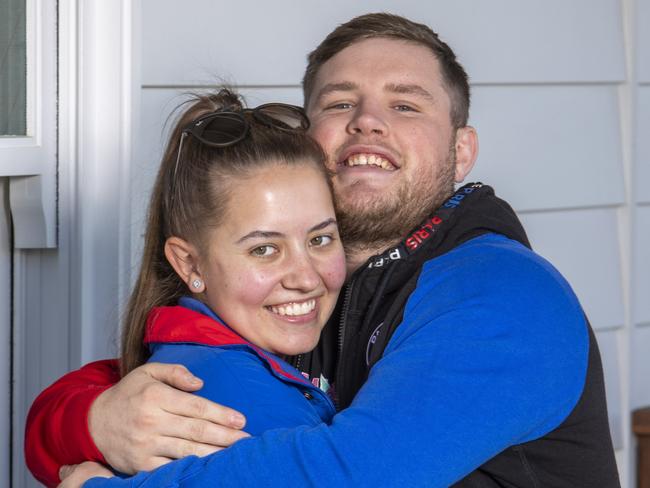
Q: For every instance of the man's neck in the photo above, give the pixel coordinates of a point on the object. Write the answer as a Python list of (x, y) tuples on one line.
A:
[(357, 254)]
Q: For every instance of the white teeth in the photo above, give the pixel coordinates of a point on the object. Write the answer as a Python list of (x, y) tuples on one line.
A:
[(369, 159), (293, 309)]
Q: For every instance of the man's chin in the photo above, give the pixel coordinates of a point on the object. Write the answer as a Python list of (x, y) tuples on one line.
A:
[(361, 199), (368, 220)]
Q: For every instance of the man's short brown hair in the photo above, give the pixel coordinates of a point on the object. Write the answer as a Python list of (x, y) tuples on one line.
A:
[(384, 25)]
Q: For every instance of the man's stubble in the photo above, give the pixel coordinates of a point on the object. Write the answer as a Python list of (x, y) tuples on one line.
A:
[(378, 224)]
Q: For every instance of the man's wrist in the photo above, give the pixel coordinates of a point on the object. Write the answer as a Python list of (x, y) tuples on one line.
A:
[(83, 440)]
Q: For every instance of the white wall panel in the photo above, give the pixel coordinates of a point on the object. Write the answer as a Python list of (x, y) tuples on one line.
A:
[(642, 267), (639, 381), (265, 43), (643, 144), (583, 245), (609, 352), (564, 141), (643, 40)]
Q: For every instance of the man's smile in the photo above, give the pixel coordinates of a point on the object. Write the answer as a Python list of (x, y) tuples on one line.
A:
[(365, 159)]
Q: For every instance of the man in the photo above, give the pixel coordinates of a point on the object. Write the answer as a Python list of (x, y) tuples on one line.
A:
[(459, 357)]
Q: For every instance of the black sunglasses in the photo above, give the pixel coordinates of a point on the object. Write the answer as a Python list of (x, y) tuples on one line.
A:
[(226, 128)]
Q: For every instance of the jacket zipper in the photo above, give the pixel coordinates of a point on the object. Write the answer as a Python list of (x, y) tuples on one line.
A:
[(341, 337), (298, 362)]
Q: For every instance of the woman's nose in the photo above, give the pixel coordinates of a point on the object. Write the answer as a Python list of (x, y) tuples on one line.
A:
[(302, 274)]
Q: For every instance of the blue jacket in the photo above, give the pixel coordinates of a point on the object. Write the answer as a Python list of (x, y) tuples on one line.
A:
[(236, 373)]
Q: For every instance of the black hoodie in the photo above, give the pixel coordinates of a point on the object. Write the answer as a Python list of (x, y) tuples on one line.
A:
[(372, 306)]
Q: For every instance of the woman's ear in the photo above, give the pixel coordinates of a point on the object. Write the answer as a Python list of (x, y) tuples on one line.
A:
[(184, 258)]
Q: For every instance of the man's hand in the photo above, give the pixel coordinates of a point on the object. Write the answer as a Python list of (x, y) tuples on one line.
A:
[(76, 476), (144, 421)]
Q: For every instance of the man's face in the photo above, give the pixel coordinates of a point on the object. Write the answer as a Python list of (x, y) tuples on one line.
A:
[(382, 115)]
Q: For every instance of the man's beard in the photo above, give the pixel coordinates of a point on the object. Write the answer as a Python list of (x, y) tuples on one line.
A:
[(377, 224)]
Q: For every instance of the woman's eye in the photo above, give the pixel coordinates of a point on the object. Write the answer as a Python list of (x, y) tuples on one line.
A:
[(321, 240), (263, 251)]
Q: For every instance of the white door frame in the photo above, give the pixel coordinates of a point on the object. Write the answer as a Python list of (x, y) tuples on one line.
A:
[(67, 301)]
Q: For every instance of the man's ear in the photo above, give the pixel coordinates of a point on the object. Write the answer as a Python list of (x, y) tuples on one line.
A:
[(466, 146), (184, 258)]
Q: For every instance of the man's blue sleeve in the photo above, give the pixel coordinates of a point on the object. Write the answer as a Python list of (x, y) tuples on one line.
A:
[(492, 352)]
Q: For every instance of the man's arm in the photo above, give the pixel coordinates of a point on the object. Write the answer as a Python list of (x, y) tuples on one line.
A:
[(134, 424), (57, 432), (490, 354)]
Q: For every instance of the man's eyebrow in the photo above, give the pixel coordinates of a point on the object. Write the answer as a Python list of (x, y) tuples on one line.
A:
[(335, 87), (267, 234), (407, 89)]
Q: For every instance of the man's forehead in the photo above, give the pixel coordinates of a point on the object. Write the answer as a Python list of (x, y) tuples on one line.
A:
[(388, 87), (392, 65), (379, 56)]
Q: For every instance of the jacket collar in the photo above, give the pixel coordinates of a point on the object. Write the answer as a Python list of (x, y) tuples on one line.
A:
[(193, 322)]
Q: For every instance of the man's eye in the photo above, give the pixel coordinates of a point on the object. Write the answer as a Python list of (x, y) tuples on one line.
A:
[(263, 251), (339, 106), (404, 108), (319, 241)]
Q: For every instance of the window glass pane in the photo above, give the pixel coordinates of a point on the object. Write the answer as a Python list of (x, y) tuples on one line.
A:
[(13, 68)]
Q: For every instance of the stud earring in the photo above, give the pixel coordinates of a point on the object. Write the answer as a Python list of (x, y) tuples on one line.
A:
[(196, 283)]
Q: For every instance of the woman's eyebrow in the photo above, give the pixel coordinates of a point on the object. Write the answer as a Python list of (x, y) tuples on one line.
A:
[(260, 234), (267, 234), (323, 224)]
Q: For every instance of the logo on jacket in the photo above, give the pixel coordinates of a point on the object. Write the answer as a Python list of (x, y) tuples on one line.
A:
[(372, 341)]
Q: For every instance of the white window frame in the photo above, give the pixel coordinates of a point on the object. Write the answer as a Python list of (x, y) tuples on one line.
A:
[(31, 161)]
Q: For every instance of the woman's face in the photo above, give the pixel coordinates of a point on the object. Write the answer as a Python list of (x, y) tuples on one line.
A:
[(274, 267)]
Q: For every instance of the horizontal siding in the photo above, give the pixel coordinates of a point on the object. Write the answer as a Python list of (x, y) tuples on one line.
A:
[(643, 145), (643, 40), (265, 43), (640, 365), (550, 147), (608, 343), (642, 267), (584, 246)]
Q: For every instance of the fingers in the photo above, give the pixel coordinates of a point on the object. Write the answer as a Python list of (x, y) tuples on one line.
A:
[(144, 420), (175, 448), (202, 432), (196, 407), (175, 375), (154, 462), (76, 475), (65, 471)]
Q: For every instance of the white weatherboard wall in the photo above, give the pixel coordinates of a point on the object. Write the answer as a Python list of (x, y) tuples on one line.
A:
[(561, 102), (640, 394), (554, 102)]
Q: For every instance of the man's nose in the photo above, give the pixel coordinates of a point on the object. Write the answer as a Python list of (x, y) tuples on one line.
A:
[(301, 273), (368, 120)]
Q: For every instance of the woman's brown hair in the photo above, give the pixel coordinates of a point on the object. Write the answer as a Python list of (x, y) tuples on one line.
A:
[(189, 198)]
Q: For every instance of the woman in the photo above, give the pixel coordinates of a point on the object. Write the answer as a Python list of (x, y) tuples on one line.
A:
[(242, 262)]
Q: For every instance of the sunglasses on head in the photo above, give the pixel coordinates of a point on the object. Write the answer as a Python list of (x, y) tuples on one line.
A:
[(225, 127)]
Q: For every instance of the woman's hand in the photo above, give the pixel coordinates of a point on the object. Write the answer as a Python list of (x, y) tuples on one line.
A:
[(75, 476)]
